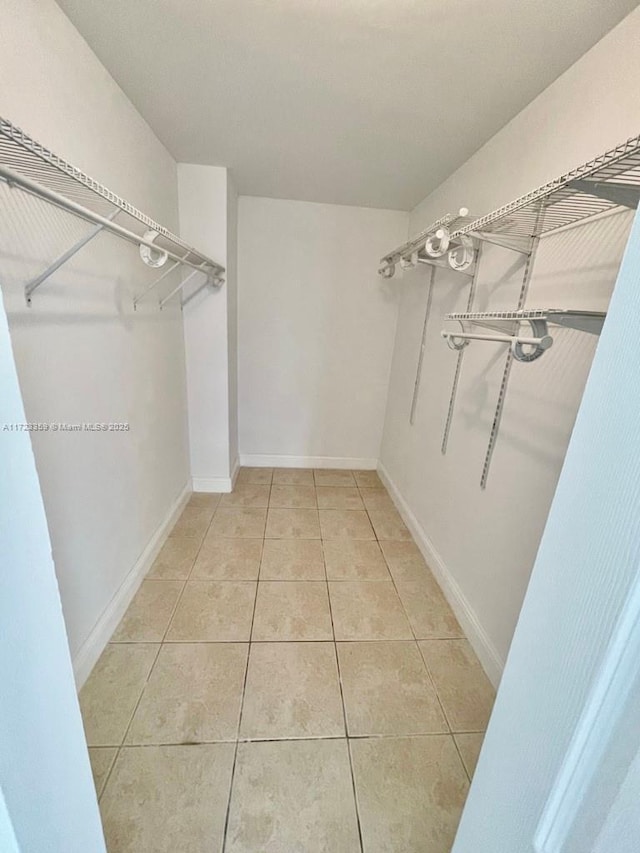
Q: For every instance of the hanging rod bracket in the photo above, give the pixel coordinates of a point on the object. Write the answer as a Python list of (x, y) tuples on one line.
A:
[(524, 349), (626, 195), (443, 264)]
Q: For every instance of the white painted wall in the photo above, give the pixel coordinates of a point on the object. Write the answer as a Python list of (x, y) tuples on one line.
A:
[(208, 219), (315, 331), (483, 544), (83, 355), (558, 771), (47, 798)]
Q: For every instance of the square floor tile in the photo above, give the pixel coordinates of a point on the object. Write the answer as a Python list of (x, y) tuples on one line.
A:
[(464, 690), (148, 615), (293, 476), (228, 559), (377, 499), (292, 560), (293, 524), (345, 524), (247, 495), (193, 522), (368, 479), (167, 799), (293, 497), (410, 792), (255, 476), (175, 560), (387, 690), (206, 500), (469, 746), (292, 796), (101, 758), (388, 524), (193, 695), (405, 561), (367, 610), (292, 691), (339, 497), (213, 611), (333, 477), (245, 523), (427, 608), (292, 610), (110, 694), (354, 559)]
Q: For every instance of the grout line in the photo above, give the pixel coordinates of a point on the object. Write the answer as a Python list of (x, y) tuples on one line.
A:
[(244, 690), (344, 711)]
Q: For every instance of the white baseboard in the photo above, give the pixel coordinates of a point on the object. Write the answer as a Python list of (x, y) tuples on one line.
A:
[(260, 460), (212, 484), (85, 659), (491, 661)]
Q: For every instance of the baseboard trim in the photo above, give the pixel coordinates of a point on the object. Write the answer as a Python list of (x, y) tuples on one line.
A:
[(260, 460), (85, 659), (488, 655), (212, 484)]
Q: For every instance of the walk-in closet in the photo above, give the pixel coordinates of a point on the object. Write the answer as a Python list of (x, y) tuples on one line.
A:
[(318, 466)]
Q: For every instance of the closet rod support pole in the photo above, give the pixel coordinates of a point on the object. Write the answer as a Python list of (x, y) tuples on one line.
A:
[(35, 283)]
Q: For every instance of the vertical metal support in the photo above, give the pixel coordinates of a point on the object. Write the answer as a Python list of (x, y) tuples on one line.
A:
[(35, 283), (524, 289), (178, 287), (156, 282), (456, 376), (416, 387)]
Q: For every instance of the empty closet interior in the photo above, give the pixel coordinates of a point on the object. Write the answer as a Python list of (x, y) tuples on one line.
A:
[(386, 387)]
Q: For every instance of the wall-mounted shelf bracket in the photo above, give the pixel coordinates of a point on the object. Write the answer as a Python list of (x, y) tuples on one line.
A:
[(627, 195), (35, 283), (515, 242)]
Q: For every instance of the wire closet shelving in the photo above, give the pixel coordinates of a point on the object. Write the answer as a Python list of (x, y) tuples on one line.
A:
[(29, 166), (607, 183)]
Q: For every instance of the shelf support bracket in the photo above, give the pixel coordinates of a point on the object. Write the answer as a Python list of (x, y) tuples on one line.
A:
[(31, 286), (513, 242), (623, 194)]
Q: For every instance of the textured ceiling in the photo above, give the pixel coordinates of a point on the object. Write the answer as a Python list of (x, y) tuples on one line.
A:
[(365, 102)]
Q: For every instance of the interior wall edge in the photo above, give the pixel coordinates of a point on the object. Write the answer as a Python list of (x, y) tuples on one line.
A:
[(350, 463), (214, 485), (96, 642), (489, 657)]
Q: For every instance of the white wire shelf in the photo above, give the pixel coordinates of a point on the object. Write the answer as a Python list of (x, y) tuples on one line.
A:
[(30, 166), (584, 321), (523, 347), (609, 181)]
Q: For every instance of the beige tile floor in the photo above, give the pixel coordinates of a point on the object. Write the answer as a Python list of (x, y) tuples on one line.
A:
[(288, 678)]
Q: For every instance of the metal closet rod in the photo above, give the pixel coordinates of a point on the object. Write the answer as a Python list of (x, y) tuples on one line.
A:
[(85, 213)]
